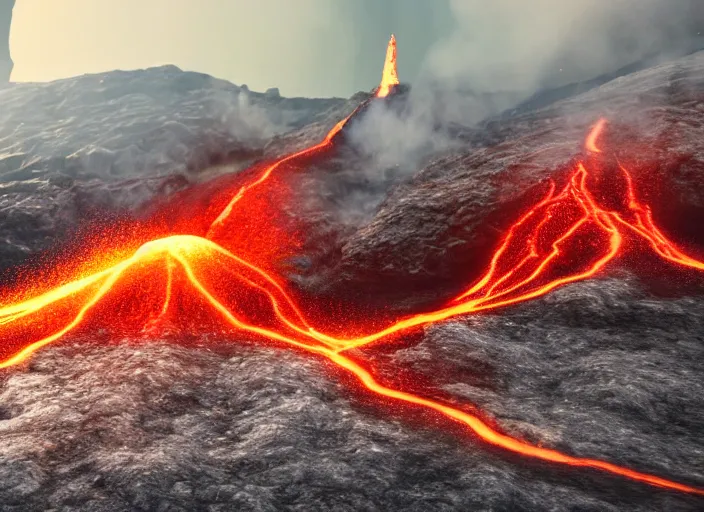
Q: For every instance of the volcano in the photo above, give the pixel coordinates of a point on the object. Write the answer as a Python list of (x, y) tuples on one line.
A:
[(561, 292)]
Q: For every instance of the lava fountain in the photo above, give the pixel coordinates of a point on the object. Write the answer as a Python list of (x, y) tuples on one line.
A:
[(223, 281), (389, 75)]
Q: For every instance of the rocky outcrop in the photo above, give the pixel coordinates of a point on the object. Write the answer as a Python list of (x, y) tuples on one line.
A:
[(272, 92)]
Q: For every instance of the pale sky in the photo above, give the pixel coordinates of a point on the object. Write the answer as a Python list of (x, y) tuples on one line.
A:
[(304, 47), (337, 47)]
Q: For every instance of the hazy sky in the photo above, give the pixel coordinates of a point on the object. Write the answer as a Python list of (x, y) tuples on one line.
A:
[(337, 47), (304, 47)]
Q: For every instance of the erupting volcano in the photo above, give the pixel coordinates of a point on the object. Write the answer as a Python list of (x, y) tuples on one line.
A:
[(224, 277)]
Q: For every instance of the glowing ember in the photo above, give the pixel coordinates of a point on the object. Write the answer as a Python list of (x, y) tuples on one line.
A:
[(389, 76)]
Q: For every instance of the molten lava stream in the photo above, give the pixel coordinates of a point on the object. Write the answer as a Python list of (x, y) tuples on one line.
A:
[(643, 225), (254, 224), (563, 239), (118, 300)]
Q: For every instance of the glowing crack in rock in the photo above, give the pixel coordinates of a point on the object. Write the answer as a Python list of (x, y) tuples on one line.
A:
[(196, 283)]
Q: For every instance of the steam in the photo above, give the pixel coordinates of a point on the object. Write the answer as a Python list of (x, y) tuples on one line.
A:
[(245, 119), (522, 46), (248, 121), (502, 52)]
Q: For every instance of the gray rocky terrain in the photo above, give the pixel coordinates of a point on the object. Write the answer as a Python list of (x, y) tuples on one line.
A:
[(607, 368), (99, 144)]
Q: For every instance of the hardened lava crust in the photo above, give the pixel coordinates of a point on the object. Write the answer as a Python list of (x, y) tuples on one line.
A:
[(606, 368)]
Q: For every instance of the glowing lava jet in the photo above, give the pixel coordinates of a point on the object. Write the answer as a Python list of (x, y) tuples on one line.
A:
[(389, 75), (202, 283)]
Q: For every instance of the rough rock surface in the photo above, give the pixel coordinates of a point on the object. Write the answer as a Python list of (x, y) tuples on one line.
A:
[(444, 205), (106, 143), (598, 369), (601, 369)]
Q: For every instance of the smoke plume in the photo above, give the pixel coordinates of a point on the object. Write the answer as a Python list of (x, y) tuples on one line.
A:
[(503, 51), (514, 45)]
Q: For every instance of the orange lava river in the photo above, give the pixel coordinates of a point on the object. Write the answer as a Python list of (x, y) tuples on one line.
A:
[(226, 279)]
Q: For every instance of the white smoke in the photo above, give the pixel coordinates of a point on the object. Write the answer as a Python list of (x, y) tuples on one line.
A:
[(247, 121), (518, 45), (503, 51)]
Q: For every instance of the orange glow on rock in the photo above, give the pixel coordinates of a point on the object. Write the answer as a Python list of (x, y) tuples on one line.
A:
[(389, 75), (565, 237)]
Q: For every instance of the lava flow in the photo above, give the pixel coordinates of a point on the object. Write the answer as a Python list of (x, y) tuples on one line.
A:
[(198, 284)]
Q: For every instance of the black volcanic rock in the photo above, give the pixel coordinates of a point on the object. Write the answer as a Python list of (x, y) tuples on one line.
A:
[(427, 227), (108, 143), (602, 368), (160, 427)]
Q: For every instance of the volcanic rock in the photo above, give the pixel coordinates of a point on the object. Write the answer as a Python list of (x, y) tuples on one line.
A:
[(605, 368), (103, 145), (429, 228), (214, 427)]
